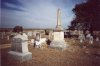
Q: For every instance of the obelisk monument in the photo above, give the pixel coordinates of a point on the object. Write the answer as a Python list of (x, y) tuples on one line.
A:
[(58, 38), (58, 20)]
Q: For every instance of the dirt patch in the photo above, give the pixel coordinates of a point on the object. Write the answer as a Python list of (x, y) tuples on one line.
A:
[(75, 55)]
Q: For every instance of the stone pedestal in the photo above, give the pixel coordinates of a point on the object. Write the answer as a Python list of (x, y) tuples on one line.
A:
[(58, 35), (61, 45), (19, 48), (58, 40), (20, 56)]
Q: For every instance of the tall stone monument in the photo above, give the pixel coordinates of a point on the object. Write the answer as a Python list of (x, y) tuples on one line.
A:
[(58, 38), (58, 26)]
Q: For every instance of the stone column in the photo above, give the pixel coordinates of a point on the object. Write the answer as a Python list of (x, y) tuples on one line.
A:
[(58, 19)]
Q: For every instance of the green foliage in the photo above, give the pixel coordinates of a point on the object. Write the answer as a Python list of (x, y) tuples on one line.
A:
[(18, 29), (87, 15)]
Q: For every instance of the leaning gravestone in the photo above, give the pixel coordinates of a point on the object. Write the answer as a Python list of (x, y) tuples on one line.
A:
[(19, 48)]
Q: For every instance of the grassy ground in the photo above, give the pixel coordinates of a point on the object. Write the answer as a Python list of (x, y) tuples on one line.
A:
[(75, 55)]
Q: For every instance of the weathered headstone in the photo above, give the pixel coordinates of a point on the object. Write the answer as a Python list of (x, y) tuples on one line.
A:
[(81, 37), (32, 41), (39, 41), (97, 39), (8, 37), (2, 35), (30, 33), (19, 48), (88, 36), (91, 40)]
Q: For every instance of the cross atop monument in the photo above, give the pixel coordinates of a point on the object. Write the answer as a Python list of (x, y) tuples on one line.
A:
[(59, 27)]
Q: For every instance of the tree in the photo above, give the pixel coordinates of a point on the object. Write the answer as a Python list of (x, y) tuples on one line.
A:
[(18, 29), (87, 16)]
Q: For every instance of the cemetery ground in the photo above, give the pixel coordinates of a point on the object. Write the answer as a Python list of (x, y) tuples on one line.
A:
[(75, 55)]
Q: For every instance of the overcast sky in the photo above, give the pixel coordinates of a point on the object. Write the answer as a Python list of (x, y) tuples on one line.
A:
[(36, 13)]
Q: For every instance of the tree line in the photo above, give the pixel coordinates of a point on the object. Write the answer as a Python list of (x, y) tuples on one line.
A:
[(87, 16)]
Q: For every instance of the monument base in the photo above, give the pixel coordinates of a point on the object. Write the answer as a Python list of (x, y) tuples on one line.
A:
[(61, 45), (20, 56)]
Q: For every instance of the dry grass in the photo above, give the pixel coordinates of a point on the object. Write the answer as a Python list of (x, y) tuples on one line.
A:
[(74, 55)]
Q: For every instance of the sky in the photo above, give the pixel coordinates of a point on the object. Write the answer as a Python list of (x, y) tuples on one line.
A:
[(36, 13)]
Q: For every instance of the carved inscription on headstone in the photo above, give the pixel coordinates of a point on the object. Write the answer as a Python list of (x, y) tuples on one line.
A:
[(17, 44)]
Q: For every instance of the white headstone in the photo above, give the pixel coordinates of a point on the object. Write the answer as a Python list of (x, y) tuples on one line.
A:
[(8, 37), (2, 35), (97, 39), (19, 48), (89, 37), (81, 38), (39, 40), (30, 33), (32, 41), (91, 40)]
